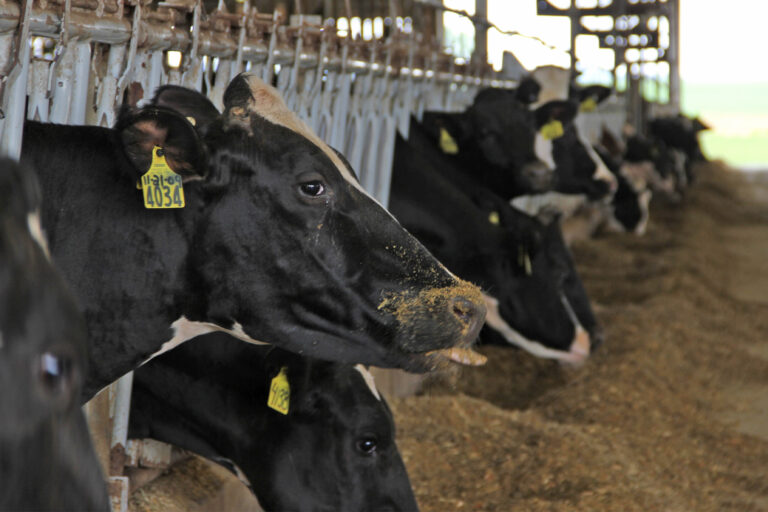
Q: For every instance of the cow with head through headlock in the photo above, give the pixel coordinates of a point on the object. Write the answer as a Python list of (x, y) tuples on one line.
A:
[(303, 434), (276, 241), (533, 293), (46, 458)]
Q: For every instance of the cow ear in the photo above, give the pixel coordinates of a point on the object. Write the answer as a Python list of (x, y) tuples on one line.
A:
[(194, 106), (699, 125), (528, 91), (141, 130), (442, 125), (557, 110), (594, 93)]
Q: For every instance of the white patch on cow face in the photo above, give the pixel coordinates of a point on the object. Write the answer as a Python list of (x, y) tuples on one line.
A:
[(643, 201), (638, 174), (268, 103), (554, 83), (36, 231), (542, 147), (368, 378), (494, 320), (537, 205), (185, 330), (601, 170)]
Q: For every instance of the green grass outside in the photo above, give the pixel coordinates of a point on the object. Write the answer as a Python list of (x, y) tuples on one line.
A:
[(750, 151), (732, 105)]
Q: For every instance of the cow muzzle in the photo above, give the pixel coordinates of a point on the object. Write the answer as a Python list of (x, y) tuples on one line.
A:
[(439, 324), (539, 175)]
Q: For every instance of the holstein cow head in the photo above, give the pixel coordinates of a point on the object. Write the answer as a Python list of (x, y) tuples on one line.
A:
[(494, 140), (544, 311), (629, 208), (292, 251), (303, 434), (586, 173), (534, 295), (46, 458), (578, 168)]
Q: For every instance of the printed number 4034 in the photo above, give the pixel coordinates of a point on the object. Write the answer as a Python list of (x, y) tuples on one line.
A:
[(163, 191)]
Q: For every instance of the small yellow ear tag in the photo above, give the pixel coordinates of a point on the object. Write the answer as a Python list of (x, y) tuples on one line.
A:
[(447, 144), (280, 392), (588, 105), (162, 187), (552, 130), (493, 218)]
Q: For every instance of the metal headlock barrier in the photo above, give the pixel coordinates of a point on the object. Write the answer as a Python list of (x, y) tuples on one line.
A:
[(77, 61)]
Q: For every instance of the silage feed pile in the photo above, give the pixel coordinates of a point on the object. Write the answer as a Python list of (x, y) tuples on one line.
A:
[(665, 416)]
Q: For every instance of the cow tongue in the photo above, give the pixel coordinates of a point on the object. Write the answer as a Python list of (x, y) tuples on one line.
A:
[(462, 356)]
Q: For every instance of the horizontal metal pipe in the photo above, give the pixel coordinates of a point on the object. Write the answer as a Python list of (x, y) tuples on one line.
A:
[(112, 30)]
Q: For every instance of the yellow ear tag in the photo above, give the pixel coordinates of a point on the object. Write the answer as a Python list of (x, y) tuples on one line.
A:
[(280, 392), (493, 218), (552, 130), (588, 105), (447, 144), (162, 187)]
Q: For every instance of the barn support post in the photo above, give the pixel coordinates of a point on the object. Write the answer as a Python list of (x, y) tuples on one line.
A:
[(673, 56)]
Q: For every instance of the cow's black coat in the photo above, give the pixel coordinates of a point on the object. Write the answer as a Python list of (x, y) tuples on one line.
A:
[(46, 458), (495, 138), (452, 215), (333, 451), (273, 238)]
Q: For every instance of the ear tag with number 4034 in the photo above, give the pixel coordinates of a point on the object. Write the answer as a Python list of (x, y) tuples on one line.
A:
[(162, 187), (280, 392)]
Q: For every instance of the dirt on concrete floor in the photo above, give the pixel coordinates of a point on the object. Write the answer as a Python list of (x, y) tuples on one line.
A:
[(670, 414)]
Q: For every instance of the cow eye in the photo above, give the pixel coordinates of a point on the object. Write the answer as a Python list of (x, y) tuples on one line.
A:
[(55, 372), (366, 445), (312, 188)]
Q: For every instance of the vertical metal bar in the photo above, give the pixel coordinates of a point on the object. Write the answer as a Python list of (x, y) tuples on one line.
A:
[(38, 103), (480, 55), (61, 92), (14, 87), (121, 406), (108, 91), (673, 53), (82, 70)]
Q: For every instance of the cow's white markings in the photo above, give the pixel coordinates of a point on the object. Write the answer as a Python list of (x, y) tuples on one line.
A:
[(36, 231), (542, 147), (495, 321), (645, 198), (185, 330), (601, 170), (536, 204), (369, 380)]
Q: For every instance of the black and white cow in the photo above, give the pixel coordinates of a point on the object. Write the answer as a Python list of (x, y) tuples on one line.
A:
[(46, 458), (493, 141), (277, 242), (534, 295), (333, 450)]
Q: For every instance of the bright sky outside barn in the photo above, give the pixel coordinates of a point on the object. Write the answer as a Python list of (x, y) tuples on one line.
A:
[(352, 255)]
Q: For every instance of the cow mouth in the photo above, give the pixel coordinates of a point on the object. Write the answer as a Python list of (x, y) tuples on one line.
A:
[(575, 356), (464, 356)]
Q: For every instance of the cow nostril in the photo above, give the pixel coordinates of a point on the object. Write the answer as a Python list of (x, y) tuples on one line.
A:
[(465, 310)]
